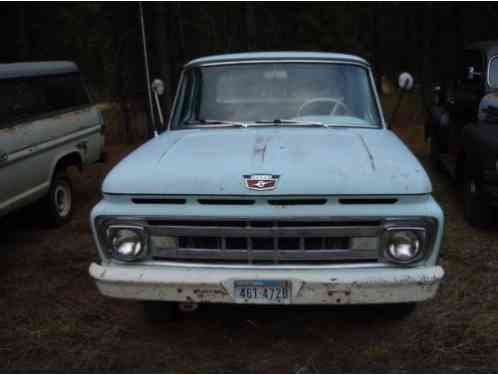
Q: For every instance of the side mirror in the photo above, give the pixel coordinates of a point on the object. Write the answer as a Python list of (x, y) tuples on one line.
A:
[(472, 73), (405, 81), (158, 86), (158, 89)]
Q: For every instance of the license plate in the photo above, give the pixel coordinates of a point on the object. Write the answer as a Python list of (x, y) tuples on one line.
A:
[(262, 291)]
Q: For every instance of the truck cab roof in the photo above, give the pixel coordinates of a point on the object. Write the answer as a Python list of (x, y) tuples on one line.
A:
[(271, 56), (36, 69)]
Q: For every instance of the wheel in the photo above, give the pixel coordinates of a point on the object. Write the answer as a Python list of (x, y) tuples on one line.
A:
[(59, 200), (477, 211), (395, 311), (159, 311)]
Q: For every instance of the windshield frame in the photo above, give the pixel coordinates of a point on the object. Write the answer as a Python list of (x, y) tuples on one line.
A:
[(179, 97), (492, 60)]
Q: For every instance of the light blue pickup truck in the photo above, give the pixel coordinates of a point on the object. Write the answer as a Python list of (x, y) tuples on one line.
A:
[(277, 182)]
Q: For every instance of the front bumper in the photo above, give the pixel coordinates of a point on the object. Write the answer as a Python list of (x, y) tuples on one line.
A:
[(329, 286)]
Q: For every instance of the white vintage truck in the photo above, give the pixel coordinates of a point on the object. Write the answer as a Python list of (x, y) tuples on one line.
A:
[(48, 123), (277, 182)]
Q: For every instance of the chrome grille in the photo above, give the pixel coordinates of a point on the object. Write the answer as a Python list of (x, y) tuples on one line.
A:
[(264, 241)]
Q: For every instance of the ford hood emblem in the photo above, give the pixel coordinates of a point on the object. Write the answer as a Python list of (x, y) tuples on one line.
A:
[(261, 181)]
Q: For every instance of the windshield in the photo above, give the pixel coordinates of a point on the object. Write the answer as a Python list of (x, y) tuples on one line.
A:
[(329, 94)]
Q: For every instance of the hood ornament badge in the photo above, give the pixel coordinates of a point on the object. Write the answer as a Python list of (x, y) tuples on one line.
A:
[(261, 181)]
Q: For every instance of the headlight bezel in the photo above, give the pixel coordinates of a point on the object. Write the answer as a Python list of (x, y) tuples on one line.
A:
[(107, 241), (420, 235), (424, 228)]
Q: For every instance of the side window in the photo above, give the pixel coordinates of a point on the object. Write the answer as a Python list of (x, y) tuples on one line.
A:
[(25, 98), (64, 92), (493, 72), (20, 99)]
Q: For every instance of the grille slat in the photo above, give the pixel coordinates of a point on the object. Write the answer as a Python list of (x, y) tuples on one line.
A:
[(250, 232), (266, 255), (273, 242)]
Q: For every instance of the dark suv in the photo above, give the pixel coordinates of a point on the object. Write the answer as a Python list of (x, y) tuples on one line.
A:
[(463, 143)]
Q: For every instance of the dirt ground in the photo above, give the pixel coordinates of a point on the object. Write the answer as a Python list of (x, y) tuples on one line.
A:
[(53, 318)]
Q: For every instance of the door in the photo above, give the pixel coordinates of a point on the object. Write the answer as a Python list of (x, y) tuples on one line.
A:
[(20, 103)]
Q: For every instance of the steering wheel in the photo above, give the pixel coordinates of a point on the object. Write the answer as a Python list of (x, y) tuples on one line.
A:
[(336, 103)]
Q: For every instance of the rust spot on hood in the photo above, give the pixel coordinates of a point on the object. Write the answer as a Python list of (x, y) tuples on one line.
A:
[(260, 147)]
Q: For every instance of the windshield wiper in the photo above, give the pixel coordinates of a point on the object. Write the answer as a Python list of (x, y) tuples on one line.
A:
[(279, 121), (216, 123)]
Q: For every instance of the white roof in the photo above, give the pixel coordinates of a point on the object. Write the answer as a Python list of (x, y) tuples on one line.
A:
[(33, 69), (277, 56)]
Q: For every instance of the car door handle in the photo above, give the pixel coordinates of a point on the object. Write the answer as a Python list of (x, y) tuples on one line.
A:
[(3, 156)]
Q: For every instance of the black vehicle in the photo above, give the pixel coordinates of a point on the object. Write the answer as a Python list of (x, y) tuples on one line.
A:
[(463, 130)]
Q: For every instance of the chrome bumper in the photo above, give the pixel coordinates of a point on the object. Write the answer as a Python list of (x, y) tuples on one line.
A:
[(330, 286)]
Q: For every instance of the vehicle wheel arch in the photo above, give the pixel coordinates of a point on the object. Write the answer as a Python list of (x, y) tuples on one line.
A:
[(72, 158)]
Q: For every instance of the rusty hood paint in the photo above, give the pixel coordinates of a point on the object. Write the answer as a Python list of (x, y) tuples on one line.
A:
[(313, 161)]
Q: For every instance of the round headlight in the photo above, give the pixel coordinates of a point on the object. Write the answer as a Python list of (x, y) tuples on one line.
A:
[(127, 244), (403, 245)]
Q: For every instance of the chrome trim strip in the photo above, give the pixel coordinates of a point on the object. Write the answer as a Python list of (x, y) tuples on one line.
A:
[(253, 196), (175, 100), (323, 231), (373, 87), (126, 219), (50, 144), (261, 267), (273, 256), (42, 187)]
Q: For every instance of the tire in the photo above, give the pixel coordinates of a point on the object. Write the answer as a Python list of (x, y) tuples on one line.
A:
[(59, 200), (395, 311), (477, 211), (159, 311)]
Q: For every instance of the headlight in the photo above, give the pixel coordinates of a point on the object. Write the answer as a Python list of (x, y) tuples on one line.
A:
[(408, 244), (126, 243), (404, 245)]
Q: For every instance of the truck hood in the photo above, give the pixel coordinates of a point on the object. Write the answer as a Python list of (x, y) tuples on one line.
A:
[(309, 161)]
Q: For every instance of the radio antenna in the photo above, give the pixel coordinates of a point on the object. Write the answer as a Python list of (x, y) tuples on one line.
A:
[(147, 73)]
